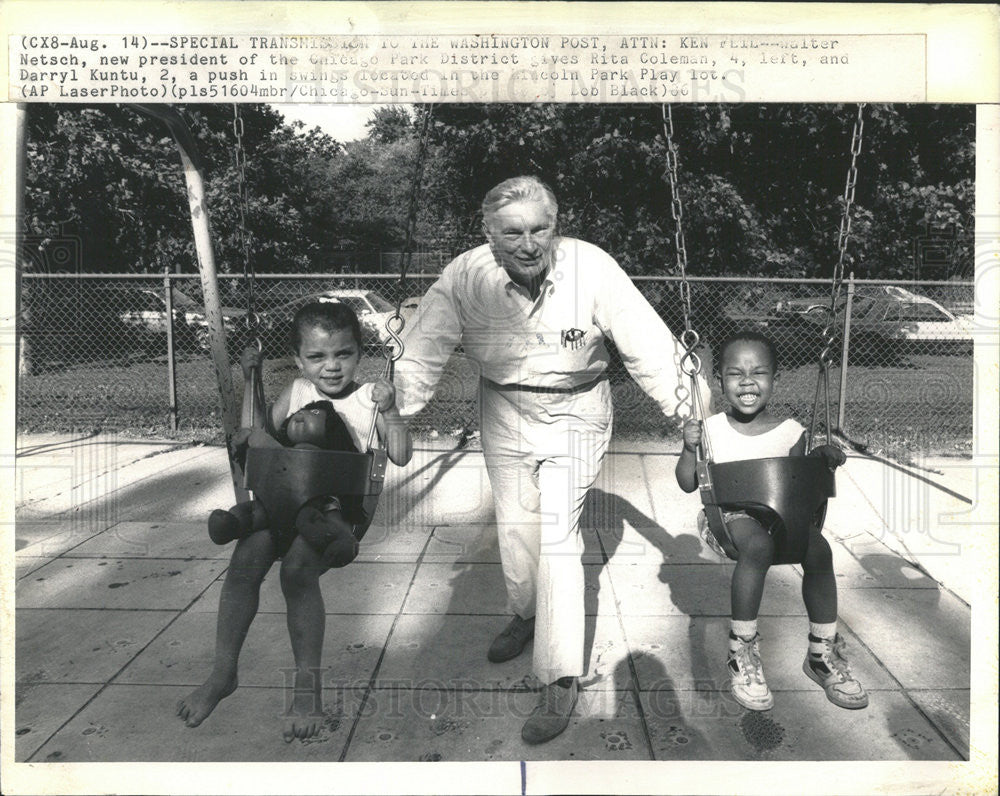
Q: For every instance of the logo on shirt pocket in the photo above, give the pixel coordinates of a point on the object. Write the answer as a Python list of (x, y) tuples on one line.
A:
[(572, 338)]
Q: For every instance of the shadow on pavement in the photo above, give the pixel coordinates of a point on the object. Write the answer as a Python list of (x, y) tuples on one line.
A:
[(686, 594)]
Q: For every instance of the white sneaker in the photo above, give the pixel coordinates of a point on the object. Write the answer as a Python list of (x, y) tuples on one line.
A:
[(747, 675), (826, 665)]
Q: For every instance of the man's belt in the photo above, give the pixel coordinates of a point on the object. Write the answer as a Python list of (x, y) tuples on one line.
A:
[(587, 385)]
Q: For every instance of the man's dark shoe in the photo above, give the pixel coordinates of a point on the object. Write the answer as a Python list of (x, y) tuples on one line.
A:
[(551, 716), (512, 641)]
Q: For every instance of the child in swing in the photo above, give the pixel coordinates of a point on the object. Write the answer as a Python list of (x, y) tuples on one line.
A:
[(327, 522), (326, 341), (747, 371)]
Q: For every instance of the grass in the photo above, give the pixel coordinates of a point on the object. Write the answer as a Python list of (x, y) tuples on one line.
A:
[(919, 405)]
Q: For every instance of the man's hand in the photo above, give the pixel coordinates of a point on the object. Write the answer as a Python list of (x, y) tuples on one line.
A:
[(384, 394)]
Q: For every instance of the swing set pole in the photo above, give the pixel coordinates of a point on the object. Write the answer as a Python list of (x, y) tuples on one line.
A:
[(21, 343), (845, 348), (206, 267)]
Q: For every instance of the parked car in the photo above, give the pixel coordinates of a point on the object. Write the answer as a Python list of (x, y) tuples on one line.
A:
[(145, 314), (372, 310), (893, 314), (816, 306)]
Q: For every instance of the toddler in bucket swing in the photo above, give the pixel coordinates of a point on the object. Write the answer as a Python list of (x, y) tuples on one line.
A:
[(747, 370), (324, 407)]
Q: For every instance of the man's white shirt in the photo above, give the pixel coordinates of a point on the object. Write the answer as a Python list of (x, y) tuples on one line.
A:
[(553, 341)]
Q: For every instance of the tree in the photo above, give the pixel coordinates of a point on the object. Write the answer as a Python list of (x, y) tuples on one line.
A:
[(761, 184), (109, 179), (389, 124), (104, 192)]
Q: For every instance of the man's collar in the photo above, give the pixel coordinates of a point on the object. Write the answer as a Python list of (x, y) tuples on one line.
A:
[(548, 280)]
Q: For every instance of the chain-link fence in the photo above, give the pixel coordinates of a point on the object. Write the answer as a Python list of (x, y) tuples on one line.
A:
[(126, 354)]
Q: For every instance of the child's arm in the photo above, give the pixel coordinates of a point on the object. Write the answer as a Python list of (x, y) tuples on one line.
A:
[(268, 422), (279, 411), (799, 448), (687, 477), (251, 359), (391, 426), (252, 431)]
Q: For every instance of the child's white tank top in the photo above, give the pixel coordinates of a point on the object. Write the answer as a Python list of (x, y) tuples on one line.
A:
[(729, 445), (355, 408)]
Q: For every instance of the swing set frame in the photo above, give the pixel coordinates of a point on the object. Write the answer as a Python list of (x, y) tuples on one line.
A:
[(287, 478), (794, 488)]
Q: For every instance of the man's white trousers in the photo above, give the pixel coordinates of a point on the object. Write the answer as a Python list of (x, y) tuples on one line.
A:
[(543, 453)]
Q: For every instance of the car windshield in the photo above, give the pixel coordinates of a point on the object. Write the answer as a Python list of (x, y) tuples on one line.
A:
[(149, 302), (922, 312), (361, 305), (355, 303), (182, 300), (379, 303), (864, 307), (313, 298)]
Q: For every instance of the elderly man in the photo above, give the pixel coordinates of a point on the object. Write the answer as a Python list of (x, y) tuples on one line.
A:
[(532, 310)]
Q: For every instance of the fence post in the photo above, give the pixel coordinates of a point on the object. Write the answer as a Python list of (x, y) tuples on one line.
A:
[(171, 368), (843, 354), (22, 343)]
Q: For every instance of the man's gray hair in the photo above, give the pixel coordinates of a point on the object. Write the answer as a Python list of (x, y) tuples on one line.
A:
[(520, 189)]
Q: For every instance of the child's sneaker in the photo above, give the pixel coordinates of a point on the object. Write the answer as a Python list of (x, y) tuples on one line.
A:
[(747, 674), (826, 665)]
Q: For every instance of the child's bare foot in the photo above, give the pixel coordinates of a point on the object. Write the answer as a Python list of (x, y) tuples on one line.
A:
[(305, 716), (196, 706)]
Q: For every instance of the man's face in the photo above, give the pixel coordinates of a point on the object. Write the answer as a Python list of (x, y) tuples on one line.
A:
[(521, 236)]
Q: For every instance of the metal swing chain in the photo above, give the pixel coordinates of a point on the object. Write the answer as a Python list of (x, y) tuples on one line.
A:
[(411, 215), (690, 363), (677, 211), (394, 323), (252, 320), (852, 180), (829, 333)]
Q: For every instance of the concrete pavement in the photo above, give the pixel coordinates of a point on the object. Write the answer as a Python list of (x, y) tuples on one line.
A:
[(117, 586)]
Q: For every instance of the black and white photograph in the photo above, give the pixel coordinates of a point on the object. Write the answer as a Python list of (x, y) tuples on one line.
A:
[(358, 415)]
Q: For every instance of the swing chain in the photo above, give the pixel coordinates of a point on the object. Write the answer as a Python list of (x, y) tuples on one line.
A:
[(252, 319), (852, 179), (829, 333), (690, 360), (843, 236), (411, 215), (394, 323), (677, 211)]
